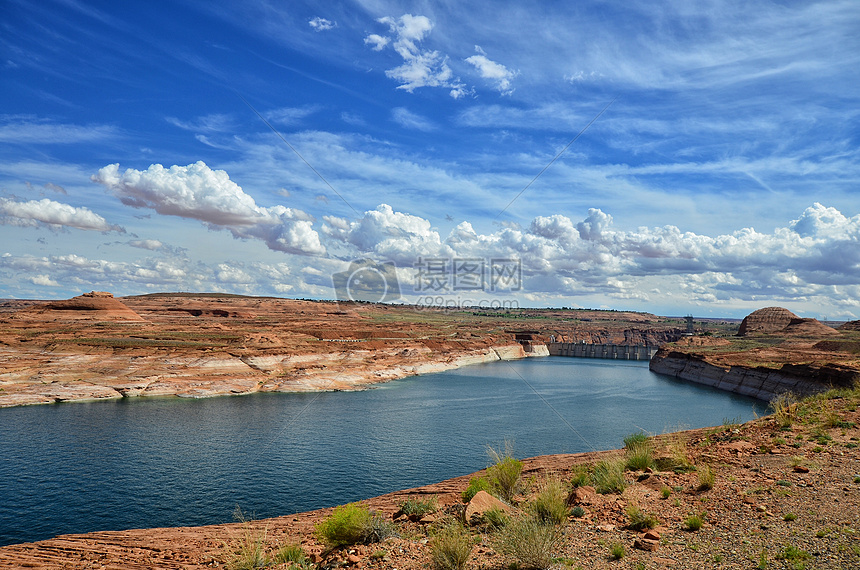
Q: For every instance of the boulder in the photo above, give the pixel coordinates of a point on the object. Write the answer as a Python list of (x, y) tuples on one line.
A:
[(481, 503)]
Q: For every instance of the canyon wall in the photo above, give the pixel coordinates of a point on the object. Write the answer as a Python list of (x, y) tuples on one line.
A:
[(758, 382)]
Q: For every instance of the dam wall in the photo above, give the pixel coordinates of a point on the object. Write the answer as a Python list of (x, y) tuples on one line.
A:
[(610, 351)]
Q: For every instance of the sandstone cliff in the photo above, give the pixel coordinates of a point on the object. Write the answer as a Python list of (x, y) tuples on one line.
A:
[(757, 381)]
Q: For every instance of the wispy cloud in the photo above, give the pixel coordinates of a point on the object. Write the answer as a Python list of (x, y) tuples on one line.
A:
[(410, 120), (500, 75)]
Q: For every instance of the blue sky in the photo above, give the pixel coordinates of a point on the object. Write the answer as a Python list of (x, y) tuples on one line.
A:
[(141, 150)]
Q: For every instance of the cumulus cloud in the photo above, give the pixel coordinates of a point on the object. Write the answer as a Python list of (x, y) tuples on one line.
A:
[(321, 24), (209, 196), (561, 256), (421, 67), (500, 75), (34, 213)]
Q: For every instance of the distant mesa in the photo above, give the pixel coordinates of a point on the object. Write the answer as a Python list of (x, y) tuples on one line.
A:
[(95, 305), (779, 320), (850, 326)]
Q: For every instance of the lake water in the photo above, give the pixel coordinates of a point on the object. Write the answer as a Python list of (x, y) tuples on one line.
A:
[(80, 467)]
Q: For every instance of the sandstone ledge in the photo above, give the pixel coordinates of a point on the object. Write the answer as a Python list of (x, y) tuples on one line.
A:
[(758, 382)]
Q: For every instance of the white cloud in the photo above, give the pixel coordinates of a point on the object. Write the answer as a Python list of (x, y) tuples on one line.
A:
[(44, 281), (495, 72), (321, 24), (53, 214), (376, 42), (29, 130), (410, 120), (200, 193), (421, 67), (150, 244)]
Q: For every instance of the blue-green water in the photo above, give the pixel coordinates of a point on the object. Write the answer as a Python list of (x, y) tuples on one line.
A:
[(115, 465)]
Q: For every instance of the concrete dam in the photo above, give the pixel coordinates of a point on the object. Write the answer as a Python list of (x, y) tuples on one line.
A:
[(612, 351)]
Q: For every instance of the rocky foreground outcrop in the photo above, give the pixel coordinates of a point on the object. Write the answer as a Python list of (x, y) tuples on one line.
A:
[(778, 497)]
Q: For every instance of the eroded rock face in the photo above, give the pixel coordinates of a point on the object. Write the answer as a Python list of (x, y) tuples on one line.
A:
[(850, 326), (767, 320), (808, 327), (95, 305)]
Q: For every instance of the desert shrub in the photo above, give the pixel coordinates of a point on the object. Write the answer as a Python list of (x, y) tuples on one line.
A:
[(581, 476), (291, 553), (504, 475), (707, 477), (475, 484), (788, 517), (451, 547), (347, 525), (616, 551), (665, 492), (528, 542), (496, 517), (550, 504), (419, 507), (693, 523), (793, 553), (639, 451), (577, 512), (639, 519), (379, 528), (608, 476), (250, 551), (784, 408)]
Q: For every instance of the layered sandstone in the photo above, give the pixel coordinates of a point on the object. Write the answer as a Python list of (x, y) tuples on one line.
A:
[(767, 320)]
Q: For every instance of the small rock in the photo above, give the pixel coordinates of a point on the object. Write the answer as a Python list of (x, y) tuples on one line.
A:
[(582, 495), (801, 469), (645, 544), (606, 527), (353, 559), (761, 508), (652, 535), (428, 519)]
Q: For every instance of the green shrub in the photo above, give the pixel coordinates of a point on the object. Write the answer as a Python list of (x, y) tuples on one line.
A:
[(475, 484), (784, 408), (577, 512), (665, 492), (550, 504), (504, 475), (347, 525), (616, 551), (581, 476), (419, 507), (788, 517), (639, 519), (250, 552), (496, 517), (451, 547), (291, 553), (639, 451), (379, 528), (608, 476), (793, 553), (693, 523), (528, 542)]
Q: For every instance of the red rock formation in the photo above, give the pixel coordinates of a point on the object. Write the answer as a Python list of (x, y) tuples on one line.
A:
[(767, 320), (95, 305)]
